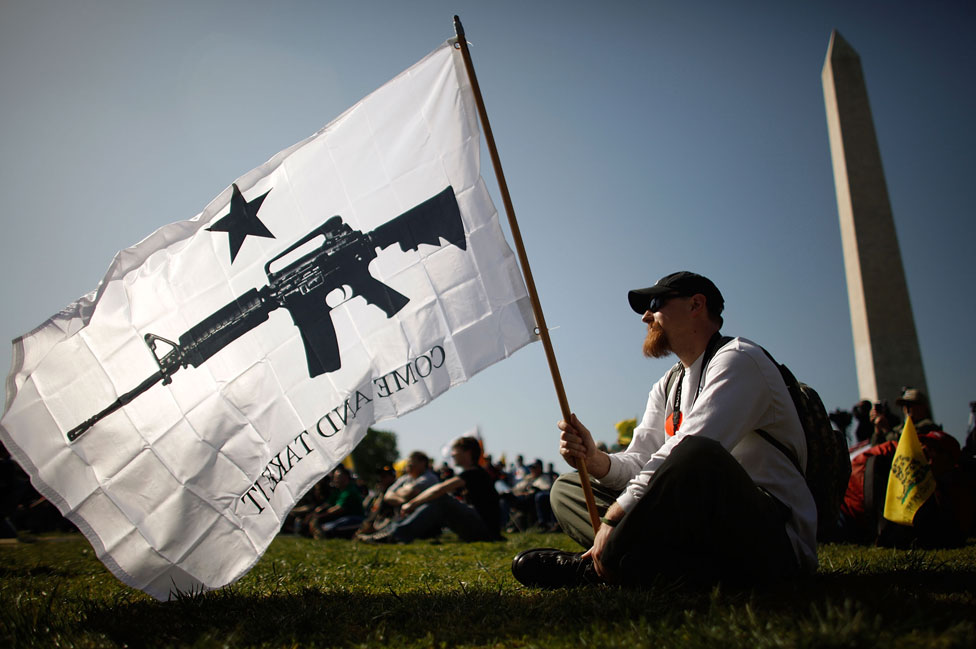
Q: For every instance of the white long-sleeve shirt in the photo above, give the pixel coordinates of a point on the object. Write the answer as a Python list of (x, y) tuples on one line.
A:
[(741, 391)]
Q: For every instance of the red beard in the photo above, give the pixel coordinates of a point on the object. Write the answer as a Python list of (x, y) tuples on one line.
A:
[(656, 344)]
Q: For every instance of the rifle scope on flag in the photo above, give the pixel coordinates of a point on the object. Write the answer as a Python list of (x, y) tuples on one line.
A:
[(226, 363), (911, 481)]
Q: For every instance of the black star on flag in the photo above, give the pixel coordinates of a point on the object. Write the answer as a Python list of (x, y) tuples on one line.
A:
[(242, 221)]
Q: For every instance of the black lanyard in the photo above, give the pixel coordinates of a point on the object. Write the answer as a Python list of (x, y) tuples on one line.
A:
[(716, 341)]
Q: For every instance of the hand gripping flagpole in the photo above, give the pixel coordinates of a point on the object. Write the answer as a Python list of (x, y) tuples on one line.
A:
[(540, 319)]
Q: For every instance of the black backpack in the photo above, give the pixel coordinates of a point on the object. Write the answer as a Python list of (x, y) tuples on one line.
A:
[(828, 459)]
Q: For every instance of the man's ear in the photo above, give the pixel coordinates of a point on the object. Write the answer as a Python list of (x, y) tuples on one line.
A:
[(697, 303)]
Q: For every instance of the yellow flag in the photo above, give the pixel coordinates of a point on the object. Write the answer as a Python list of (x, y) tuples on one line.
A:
[(400, 466), (625, 431), (911, 481)]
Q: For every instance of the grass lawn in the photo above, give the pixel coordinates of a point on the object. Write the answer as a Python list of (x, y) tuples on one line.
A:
[(307, 593)]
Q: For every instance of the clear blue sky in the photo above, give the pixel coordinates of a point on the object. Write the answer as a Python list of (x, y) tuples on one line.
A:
[(638, 138)]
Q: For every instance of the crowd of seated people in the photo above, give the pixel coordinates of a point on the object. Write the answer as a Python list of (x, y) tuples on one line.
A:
[(479, 498), (476, 498), (466, 503), (525, 505)]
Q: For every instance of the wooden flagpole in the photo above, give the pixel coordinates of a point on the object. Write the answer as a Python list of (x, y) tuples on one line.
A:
[(540, 319)]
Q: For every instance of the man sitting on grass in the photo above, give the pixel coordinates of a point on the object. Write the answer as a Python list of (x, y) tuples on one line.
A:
[(699, 494), (342, 513), (416, 477), (475, 518)]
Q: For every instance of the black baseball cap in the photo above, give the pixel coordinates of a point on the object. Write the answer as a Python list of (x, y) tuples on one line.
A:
[(680, 284)]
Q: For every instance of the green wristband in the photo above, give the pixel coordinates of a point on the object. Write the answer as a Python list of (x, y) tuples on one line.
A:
[(607, 521)]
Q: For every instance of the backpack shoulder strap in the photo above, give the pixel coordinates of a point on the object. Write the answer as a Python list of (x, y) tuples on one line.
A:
[(674, 375), (677, 371), (790, 455), (717, 342), (791, 386)]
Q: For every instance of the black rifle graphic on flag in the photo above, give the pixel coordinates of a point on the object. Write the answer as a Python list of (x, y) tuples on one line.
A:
[(301, 287)]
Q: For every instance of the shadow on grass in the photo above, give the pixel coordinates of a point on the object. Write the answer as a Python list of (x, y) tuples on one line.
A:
[(909, 599), (316, 618), (927, 601)]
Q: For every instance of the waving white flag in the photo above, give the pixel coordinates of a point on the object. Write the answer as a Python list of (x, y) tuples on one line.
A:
[(226, 363)]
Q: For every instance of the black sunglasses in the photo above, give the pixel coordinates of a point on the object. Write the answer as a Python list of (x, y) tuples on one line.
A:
[(658, 301)]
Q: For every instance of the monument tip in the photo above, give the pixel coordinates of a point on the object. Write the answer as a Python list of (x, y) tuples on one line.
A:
[(839, 48)]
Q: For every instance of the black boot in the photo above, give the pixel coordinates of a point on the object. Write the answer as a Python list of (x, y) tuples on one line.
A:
[(551, 568)]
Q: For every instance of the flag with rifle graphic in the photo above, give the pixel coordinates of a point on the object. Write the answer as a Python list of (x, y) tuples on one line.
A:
[(226, 363), (911, 481)]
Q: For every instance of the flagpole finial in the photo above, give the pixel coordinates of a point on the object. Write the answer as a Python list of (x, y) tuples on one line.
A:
[(458, 27)]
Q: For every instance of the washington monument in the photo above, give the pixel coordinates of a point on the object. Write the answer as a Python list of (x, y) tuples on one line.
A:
[(885, 342)]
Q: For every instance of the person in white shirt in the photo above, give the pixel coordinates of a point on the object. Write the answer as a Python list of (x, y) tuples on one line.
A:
[(698, 494)]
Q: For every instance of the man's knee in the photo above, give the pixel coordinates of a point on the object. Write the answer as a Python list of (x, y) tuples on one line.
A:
[(696, 454), (565, 491), (698, 446)]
